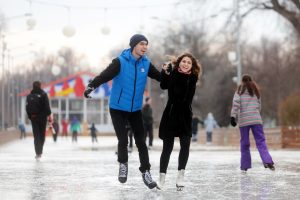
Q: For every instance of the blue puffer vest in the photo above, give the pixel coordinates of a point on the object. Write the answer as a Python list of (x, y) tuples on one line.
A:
[(129, 85)]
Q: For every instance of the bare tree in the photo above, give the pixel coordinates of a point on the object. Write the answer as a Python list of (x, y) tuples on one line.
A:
[(288, 9)]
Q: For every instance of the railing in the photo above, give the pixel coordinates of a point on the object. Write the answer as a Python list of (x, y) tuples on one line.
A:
[(290, 137), (231, 137)]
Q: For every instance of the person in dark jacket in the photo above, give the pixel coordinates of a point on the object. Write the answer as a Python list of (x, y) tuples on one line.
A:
[(176, 121), (195, 121), (55, 127), (129, 73), (38, 110), (148, 121), (93, 133)]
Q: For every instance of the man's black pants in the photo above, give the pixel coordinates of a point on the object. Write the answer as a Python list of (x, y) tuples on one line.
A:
[(119, 120)]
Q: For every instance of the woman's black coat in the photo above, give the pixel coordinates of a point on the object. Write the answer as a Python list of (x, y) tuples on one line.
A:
[(177, 116)]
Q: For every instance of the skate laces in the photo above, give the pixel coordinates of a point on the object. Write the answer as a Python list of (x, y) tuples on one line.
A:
[(147, 177), (123, 170)]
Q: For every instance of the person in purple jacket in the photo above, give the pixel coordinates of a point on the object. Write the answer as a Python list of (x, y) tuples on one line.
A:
[(246, 108)]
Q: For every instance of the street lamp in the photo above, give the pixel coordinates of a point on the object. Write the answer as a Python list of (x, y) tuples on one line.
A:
[(12, 101), (68, 30), (235, 56), (31, 23), (2, 85), (238, 42)]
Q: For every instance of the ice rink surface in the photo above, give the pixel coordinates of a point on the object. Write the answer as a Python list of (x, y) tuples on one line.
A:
[(89, 171)]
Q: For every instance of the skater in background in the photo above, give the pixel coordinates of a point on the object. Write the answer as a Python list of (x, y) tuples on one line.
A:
[(64, 124), (75, 129), (195, 121), (38, 110), (245, 110), (148, 121), (176, 121), (55, 127), (93, 133), (129, 73), (22, 130), (210, 124), (130, 137)]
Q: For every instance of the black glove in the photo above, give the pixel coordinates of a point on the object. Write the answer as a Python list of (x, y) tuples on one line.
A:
[(232, 121), (87, 92), (169, 69)]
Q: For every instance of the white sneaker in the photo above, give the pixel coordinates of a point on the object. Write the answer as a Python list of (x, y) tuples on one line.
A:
[(180, 180), (161, 182)]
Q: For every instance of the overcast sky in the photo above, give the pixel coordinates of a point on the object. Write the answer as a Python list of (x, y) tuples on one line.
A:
[(123, 18)]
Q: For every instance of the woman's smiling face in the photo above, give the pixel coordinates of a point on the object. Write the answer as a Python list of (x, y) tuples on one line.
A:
[(186, 64)]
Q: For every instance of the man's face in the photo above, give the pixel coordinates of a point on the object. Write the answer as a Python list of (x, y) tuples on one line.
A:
[(140, 49)]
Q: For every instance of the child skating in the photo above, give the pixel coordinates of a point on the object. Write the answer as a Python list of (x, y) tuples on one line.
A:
[(246, 110)]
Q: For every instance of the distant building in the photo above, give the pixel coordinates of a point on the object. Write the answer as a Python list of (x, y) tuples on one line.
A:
[(66, 101)]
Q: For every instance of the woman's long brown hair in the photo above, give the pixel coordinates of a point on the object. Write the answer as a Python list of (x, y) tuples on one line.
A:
[(250, 85)]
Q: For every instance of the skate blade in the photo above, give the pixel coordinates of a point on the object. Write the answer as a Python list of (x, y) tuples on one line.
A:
[(180, 188), (159, 188)]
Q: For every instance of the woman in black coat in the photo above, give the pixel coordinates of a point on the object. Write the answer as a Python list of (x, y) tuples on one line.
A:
[(180, 81)]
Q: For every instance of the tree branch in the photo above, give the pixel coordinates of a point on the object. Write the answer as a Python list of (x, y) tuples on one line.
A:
[(249, 11), (289, 15), (297, 3)]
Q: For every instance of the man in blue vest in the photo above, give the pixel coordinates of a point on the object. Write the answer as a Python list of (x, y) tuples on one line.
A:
[(129, 72)]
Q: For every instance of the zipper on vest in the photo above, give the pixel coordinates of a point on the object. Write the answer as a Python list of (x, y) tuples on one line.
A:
[(120, 95), (134, 86)]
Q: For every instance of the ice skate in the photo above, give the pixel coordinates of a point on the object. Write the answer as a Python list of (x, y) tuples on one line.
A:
[(270, 166), (161, 182), (123, 171), (180, 180), (129, 149), (38, 157), (148, 180)]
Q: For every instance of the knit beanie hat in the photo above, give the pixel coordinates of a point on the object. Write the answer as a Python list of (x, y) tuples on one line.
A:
[(135, 39)]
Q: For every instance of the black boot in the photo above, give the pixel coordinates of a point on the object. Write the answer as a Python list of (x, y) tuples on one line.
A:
[(270, 166)]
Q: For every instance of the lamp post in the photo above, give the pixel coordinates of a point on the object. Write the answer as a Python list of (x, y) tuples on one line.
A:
[(238, 42), (31, 23), (2, 85), (235, 56)]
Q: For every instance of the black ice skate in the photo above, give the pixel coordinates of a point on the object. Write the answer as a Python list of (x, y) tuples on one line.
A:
[(123, 171), (148, 180), (270, 166)]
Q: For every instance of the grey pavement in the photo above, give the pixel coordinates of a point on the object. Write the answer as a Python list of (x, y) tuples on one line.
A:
[(89, 171)]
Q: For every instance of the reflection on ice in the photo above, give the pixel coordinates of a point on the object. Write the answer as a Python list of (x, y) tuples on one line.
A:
[(86, 171)]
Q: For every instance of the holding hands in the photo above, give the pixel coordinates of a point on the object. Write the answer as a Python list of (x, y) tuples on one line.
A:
[(167, 67)]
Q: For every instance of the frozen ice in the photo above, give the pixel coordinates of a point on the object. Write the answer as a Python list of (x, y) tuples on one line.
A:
[(90, 171)]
